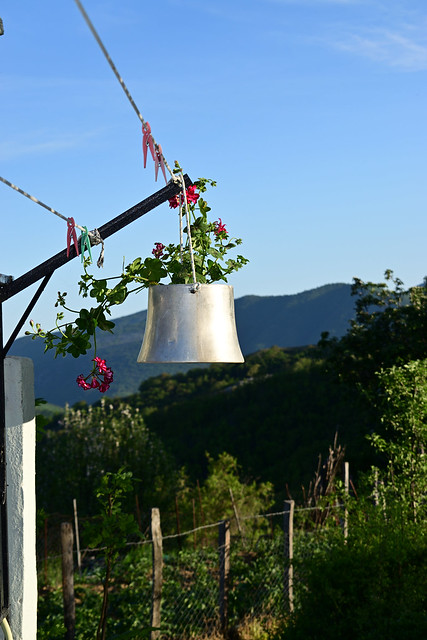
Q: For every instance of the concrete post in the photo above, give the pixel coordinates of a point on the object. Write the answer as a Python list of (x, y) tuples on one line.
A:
[(21, 497)]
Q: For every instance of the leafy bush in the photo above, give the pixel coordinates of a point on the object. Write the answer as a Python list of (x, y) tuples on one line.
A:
[(371, 588), (73, 458), (401, 396)]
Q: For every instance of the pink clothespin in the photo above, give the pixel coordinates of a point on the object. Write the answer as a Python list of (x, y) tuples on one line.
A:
[(71, 235), (147, 142), (158, 162)]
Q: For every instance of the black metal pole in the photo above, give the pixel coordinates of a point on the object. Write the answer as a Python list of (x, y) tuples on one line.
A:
[(26, 314), (4, 560), (114, 225)]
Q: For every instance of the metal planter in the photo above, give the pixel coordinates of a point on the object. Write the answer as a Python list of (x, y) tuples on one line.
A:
[(190, 323)]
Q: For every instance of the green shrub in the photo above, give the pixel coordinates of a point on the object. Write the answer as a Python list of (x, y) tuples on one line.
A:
[(371, 587)]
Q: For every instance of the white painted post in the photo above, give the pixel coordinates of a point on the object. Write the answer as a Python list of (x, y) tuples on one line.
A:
[(21, 496)]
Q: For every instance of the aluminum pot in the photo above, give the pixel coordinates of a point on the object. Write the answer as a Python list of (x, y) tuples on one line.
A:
[(190, 323)]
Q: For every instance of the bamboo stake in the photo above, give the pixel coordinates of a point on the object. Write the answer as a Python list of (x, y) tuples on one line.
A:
[(236, 515), (76, 527)]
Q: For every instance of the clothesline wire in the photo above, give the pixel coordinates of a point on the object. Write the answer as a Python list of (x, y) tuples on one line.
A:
[(121, 81), (37, 201), (175, 177), (94, 235)]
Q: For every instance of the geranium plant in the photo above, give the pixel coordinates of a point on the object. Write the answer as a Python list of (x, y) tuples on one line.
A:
[(201, 258)]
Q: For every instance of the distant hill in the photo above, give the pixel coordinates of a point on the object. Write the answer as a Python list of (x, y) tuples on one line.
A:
[(293, 320), (262, 321)]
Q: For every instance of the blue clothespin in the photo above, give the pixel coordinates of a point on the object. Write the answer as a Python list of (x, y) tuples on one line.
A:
[(85, 244)]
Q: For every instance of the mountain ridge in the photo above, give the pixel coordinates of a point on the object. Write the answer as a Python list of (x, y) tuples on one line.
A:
[(289, 320)]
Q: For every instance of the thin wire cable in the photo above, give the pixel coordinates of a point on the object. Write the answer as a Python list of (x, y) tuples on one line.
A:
[(181, 235), (120, 79), (187, 533), (204, 526), (187, 217), (94, 235), (281, 513), (150, 541), (37, 201), (109, 60)]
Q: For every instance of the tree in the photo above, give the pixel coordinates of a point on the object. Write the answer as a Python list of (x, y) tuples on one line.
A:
[(390, 328), (370, 586), (384, 354), (111, 530), (372, 583), (249, 498), (90, 442), (402, 402)]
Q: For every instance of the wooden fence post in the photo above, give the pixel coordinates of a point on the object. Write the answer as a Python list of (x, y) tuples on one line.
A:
[(202, 513), (138, 513), (194, 524), (68, 580), (178, 526), (288, 526), (236, 515), (156, 535), (224, 571)]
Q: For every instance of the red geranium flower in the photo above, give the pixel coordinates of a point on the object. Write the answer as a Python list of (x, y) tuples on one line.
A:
[(100, 364), (158, 249), (220, 229), (102, 377), (192, 197)]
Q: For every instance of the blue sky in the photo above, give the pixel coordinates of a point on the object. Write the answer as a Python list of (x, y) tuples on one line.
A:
[(310, 114)]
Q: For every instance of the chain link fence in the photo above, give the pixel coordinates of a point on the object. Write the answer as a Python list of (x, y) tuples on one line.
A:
[(241, 580)]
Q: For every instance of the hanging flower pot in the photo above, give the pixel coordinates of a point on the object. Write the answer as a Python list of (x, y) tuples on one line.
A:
[(193, 322), (190, 323), (191, 319)]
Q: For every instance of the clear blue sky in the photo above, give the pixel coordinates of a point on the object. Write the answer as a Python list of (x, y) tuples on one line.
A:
[(310, 114)]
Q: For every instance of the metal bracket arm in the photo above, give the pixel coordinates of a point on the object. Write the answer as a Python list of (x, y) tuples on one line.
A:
[(9, 289)]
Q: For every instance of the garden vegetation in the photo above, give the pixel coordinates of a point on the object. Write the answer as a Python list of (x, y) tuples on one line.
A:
[(257, 428)]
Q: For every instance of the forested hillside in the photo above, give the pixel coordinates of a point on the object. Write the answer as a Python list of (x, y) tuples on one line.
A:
[(275, 414), (262, 321)]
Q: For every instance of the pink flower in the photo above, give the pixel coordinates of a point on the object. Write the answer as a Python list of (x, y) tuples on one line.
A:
[(174, 202), (82, 382), (100, 364), (220, 229), (158, 249), (192, 197), (108, 375), (102, 376)]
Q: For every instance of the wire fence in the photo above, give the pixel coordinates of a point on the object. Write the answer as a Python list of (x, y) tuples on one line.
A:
[(209, 584)]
